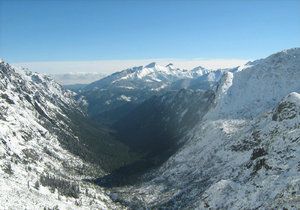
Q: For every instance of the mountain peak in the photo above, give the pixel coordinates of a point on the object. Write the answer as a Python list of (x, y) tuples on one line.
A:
[(288, 108), (295, 50), (198, 68), (170, 65), (293, 97), (151, 65)]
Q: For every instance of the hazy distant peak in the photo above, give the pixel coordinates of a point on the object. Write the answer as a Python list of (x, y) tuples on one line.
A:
[(77, 77), (151, 65), (170, 65), (198, 68)]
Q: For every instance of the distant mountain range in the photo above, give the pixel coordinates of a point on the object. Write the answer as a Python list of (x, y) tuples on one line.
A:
[(114, 96), (77, 78)]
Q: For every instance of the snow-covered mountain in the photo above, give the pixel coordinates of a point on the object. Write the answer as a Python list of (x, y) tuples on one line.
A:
[(203, 79), (259, 86), (152, 76), (43, 154), (244, 153), (124, 90)]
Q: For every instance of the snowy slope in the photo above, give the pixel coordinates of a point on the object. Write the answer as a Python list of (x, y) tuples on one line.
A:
[(203, 79), (244, 154), (258, 87), (33, 124)]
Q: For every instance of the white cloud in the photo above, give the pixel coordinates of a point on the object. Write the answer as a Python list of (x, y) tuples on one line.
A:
[(110, 66)]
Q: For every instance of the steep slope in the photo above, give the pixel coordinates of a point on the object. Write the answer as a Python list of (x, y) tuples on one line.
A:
[(156, 124), (261, 85), (205, 80), (43, 154), (247, 159)]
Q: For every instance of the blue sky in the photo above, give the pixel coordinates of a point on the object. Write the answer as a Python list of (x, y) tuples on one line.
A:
[(65, 30)]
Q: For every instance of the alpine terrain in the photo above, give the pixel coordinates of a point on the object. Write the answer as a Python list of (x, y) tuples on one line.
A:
[(112, 97), (154, 137)]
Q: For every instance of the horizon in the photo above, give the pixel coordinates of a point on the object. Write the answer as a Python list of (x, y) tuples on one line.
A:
[(107, 67), (111, 66)]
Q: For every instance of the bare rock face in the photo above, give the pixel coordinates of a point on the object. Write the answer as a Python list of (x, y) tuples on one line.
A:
[(289, 108)]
